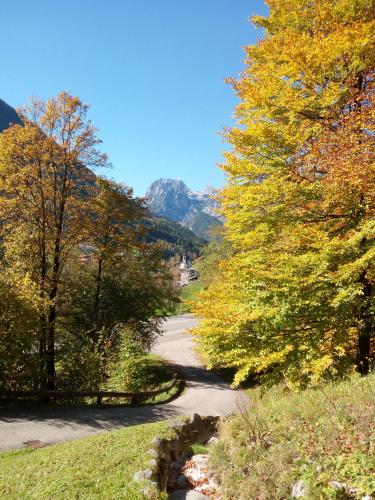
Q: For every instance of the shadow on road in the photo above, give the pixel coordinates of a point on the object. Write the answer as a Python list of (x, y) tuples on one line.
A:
[(197, 379)]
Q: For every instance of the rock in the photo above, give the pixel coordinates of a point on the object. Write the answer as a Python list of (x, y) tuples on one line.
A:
[(213, 440), (304, 489), (139, 476), (153, 464), (182, 481), (196, 469), (148, 474), (187, 495), (143, 475), (157, 441), (343, 487), (299, 489), (171, 198)]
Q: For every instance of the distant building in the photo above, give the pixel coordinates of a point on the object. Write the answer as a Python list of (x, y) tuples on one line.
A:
[(184, 265), (187, 273)]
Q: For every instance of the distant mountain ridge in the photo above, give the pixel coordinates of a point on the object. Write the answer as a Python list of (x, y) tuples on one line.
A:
[(195, 210), (8, 115)]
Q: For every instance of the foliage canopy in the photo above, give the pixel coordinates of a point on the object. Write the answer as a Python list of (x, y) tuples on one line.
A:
[(296, 299)]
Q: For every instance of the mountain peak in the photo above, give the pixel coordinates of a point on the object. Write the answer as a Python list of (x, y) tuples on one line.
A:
[(173, 199)]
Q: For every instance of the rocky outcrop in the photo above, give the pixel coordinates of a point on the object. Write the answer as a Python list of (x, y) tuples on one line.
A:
[(172, 198)]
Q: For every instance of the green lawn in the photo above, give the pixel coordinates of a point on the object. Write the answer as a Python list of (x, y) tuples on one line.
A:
[(96, 467)]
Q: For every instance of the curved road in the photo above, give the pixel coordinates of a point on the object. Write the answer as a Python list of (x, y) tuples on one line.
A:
[(205, 394)]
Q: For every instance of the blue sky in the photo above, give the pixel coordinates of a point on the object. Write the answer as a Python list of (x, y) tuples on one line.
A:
[(151, 70)]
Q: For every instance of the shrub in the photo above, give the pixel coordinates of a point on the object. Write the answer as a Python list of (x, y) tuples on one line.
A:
[(133, 370)]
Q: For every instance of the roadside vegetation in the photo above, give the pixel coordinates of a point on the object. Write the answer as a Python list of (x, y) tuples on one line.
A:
[(101, 466), (323, 436)]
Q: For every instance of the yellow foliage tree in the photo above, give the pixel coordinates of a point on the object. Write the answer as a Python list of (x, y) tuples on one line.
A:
[(43, 176), (297, 298)]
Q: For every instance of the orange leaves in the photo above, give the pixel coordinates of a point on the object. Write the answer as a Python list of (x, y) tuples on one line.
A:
[(342, 161)]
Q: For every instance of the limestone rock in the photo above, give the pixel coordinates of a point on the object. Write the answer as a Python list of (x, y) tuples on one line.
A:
[(139, 476), (304, 489), (143, 475), (343, 487), (153, 464), (171, 198), (148, 474), (213, 440)]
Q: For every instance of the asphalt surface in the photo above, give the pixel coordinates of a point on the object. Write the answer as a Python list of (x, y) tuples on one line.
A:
[(205, 394)]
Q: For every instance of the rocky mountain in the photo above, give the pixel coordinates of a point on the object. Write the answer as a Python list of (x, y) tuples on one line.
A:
[(172, 198), (8, 115)]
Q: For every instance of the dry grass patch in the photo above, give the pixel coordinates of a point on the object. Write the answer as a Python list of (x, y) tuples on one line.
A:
[(319, 435)]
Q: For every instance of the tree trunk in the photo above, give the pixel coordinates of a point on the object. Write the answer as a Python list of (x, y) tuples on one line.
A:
[(42, 316), (365, 330), (50, 358), (98, 290)]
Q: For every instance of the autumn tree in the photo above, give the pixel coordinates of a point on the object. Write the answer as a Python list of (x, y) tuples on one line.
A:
[(130, 280), (297, 298), (112, 229), (43, 176)]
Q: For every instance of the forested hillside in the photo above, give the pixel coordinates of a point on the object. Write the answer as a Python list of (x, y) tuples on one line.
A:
[(177, 240)]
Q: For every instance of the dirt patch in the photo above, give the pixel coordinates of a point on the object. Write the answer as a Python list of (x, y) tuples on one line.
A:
[(35, 444)]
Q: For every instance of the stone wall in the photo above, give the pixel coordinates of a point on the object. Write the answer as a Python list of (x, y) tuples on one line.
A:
[(164, 452)]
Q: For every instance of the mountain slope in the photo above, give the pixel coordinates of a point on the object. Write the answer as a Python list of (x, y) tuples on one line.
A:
[(171, 198), (8, 115), (178, 240)]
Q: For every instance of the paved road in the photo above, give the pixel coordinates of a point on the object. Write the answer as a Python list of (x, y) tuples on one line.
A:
[(205, 394)]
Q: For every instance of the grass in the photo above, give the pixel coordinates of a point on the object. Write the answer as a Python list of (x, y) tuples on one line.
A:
[(199, 449), (319, 435), (95, 467), (188, 294)]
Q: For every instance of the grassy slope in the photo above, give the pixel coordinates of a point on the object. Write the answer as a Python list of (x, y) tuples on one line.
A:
[(320, 435), (188, 293), (96, 467)]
